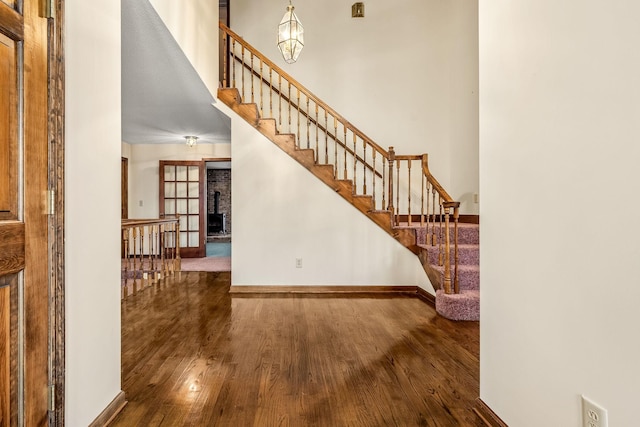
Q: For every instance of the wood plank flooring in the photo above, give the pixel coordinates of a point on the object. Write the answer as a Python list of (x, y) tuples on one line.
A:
[(194, 356)]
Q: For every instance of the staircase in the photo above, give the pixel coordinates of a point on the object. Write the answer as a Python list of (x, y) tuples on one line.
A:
[(464, 305), (396, 192)]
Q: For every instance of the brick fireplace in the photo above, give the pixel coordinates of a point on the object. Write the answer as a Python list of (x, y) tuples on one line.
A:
[(218, 195)]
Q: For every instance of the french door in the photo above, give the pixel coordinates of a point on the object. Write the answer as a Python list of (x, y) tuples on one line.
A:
[(182, 195)]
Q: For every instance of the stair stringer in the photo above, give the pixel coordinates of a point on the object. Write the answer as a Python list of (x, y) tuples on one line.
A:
[(282, 212), (249, 112)]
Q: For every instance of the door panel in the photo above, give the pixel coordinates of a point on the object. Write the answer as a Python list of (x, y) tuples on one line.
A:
[(12, 231), (8, 128), (181, 194), (24, 270), (8, 350)]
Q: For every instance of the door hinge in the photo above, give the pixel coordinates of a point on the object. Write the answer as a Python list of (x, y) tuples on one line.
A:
[(49, 9), (51, 202), (52, 397)]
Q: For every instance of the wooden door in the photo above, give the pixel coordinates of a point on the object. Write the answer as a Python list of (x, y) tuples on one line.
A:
[(182, 194), (24, 279)]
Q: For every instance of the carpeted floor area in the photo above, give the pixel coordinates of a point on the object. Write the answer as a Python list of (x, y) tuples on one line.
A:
[(210, 263), (218, 258), (218, 249)]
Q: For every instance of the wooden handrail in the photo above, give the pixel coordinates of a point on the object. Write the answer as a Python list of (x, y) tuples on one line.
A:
[(432, 179), (128, 223), (313, 120), (303, 89)]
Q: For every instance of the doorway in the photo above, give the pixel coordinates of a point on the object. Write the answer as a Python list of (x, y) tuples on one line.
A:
[(219, 224)]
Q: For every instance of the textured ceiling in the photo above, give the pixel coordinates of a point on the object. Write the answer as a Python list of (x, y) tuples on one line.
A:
[(163, 98)]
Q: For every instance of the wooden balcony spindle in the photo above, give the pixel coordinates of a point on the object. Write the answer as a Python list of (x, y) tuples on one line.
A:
[(153, 247), (428, 188), (422, 184), (242, 71), (143, 264), (440, 241), (177, 262), (125, 262), (384, 175), (344, 139), (326, 139), (409, 192), (252, 79), (397, 222), (233, 62), (135, 262), (364, 168), (373, 178), (172, 248), (270, 92), (261, 92), (298, 118), (166, 242), (456, 280), (315, 154), (225, 55), (161, 246), (289, 109), (392, 157), (434, 240), (335, 147), (355, 160), (280, 100), (316, 128), (175, 237), (170, 244)]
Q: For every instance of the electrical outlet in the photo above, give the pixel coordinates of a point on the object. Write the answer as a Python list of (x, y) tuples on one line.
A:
[(140, 203), (298, 262), (593, 415), (476, 198)]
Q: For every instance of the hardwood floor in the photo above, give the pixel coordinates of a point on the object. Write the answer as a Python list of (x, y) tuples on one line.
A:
[(193, 355)]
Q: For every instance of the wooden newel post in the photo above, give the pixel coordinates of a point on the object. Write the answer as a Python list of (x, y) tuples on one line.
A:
[(456, 216), (392, 158), (451, 286), (447, 254)]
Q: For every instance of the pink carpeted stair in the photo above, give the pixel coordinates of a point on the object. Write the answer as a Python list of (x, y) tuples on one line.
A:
[(466, 304)]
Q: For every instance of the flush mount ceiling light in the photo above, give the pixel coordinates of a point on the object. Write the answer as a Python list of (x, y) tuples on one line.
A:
[(191, 140), (290, 36)]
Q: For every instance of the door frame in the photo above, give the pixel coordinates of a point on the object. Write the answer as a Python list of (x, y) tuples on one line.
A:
[(56, 108)]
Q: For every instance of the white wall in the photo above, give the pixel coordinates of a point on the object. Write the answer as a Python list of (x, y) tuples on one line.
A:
[(144, 173), (282, 212), (406, 74), (194, 25), (92, 214), (559, 104)]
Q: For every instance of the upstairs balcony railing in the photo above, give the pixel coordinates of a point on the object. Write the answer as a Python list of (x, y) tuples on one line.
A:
[(399, 184), (150, 251)]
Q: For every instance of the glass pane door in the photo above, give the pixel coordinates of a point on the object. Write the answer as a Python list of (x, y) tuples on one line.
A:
[(181, 195)]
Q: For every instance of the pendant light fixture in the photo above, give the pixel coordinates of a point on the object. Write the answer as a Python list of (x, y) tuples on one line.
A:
[(191, 140), (290, 36)]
